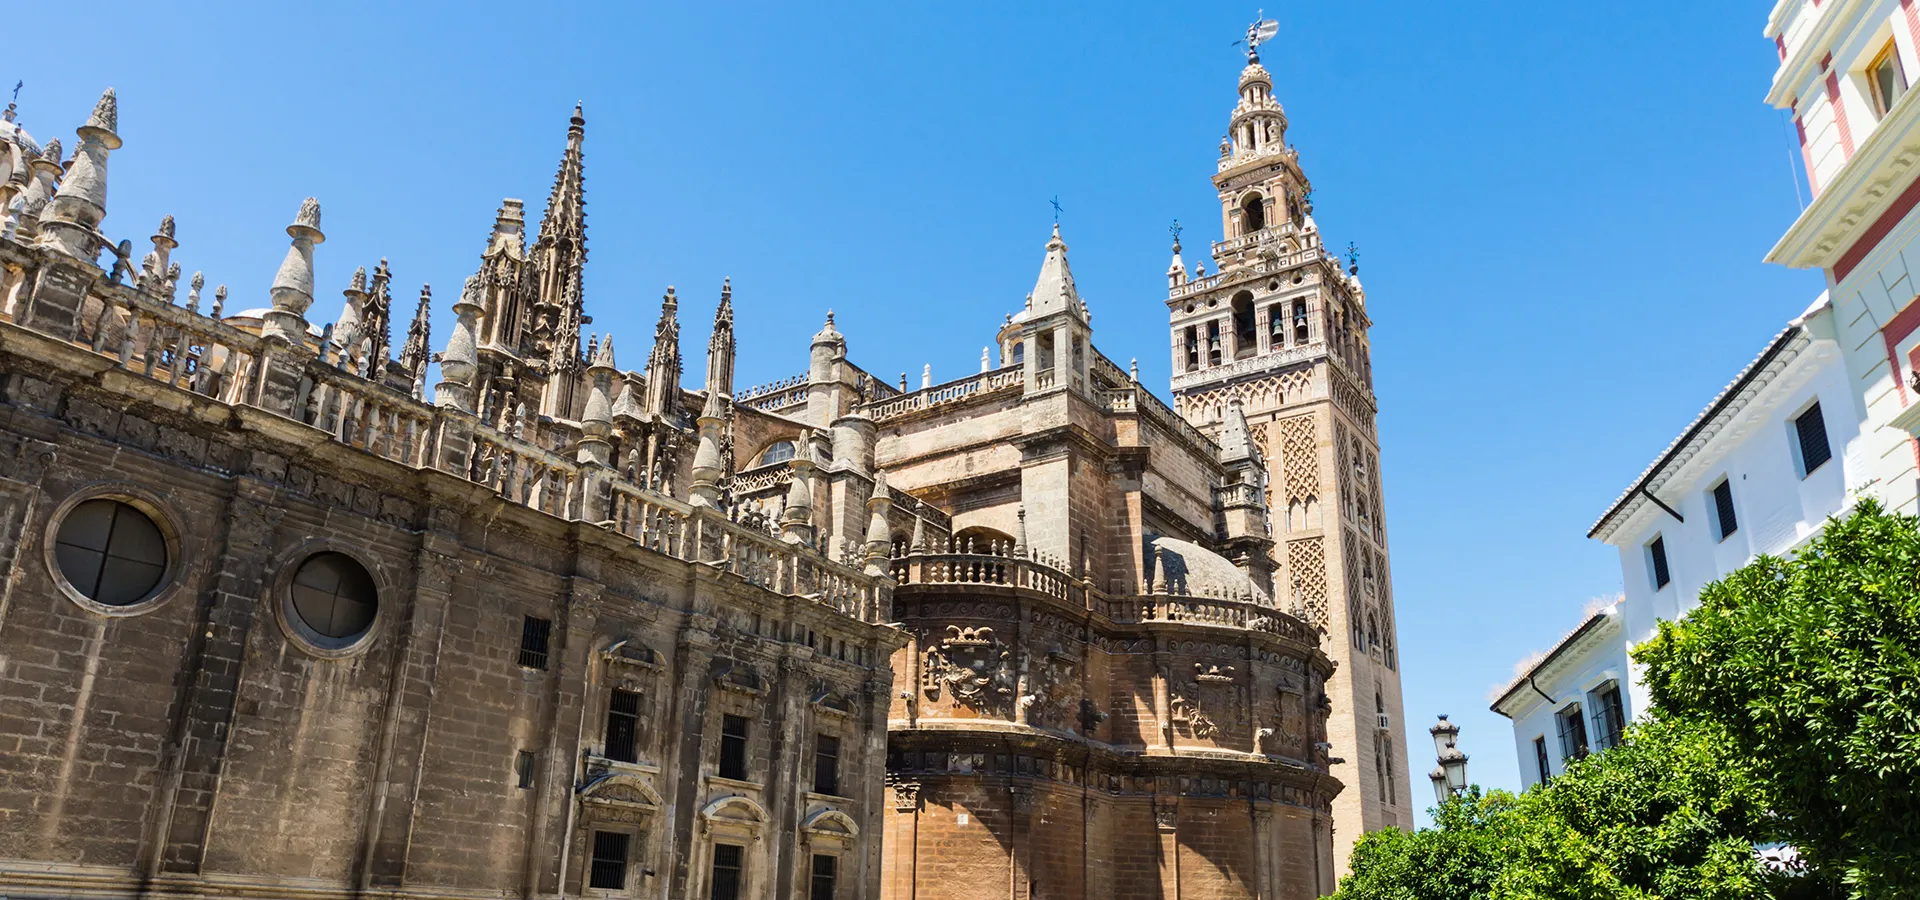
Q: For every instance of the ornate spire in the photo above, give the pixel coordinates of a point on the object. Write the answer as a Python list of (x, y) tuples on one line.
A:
[(1054, 291), (293, 285), (663, 365), (376, 318), (560, 250), (720, 346), (413, 354)]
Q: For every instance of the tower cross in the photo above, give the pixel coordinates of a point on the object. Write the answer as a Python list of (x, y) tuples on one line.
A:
[(1056, 208)]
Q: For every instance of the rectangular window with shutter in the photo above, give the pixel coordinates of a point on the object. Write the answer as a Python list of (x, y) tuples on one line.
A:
[(1540, 759), (726, 872), (1810, 428), (608, 871), (1724, 522), (733, 747), (533, 641), (1573, 733), (1609, 716), (623, 726), (1657, 561), (826, 765), (823, 872), (523, 769)]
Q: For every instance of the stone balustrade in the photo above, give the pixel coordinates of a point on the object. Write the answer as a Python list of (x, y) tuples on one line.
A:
[(953, 391), (139, 333)]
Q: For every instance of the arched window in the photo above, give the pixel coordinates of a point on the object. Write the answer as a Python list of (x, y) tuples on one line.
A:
[(1253, 214), (1299, 321), (1020, 353), (779, 452), (1245, 341)]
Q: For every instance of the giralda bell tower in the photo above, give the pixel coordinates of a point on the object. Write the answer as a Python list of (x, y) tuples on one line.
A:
[(1281, 327)]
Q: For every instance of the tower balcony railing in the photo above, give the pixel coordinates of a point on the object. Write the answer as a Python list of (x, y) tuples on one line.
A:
[(1223, 612), (965, 564), (1265, 235)]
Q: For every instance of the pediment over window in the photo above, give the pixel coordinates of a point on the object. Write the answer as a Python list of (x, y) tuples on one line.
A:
[(630, 651), (832, 702), (831, 823), (735, 815), (736, 675), (620, 797)]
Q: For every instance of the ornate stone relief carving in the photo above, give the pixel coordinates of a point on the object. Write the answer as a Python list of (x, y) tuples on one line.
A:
[(1203, 703), (974, 667)]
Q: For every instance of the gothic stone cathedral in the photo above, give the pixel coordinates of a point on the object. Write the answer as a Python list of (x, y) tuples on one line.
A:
[(287, 613)]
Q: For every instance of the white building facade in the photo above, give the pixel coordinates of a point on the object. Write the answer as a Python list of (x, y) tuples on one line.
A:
[(1824, 416), (1572, 701), (1845, 70)]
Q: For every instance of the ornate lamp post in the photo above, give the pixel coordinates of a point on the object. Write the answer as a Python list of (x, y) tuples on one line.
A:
[(1450, 776)]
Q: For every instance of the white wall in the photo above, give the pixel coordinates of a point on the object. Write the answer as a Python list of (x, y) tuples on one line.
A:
[(1600, 657), (1776, 509)]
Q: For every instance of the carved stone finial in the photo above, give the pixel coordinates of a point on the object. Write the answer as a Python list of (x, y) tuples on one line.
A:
[(309, 214), (106, 113), (219, 300)]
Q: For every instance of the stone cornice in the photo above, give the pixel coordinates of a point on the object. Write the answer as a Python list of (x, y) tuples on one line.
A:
[(1864, 189)]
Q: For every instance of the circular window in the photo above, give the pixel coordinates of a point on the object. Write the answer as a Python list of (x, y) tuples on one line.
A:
[(110, 553), (333, 599)]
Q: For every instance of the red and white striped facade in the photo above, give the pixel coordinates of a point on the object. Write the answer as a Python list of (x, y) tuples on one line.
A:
[(1862, 156)]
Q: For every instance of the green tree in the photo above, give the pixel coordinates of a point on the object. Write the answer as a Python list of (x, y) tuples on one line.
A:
[(1811, 666), (1457, 859), (1659, 816)]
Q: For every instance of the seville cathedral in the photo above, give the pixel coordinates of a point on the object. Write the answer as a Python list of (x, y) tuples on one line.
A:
[(293, 609)]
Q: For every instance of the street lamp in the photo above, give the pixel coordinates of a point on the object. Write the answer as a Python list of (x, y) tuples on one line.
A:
[(1450, 777)]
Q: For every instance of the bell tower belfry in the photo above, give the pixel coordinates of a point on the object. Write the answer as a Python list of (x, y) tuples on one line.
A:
[(1278, 334)]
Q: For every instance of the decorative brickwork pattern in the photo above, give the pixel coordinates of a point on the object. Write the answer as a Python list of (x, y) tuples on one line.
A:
[(1307, 567)]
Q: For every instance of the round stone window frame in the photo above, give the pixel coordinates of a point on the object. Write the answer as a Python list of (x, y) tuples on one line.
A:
[(297, 632), (163, 516)]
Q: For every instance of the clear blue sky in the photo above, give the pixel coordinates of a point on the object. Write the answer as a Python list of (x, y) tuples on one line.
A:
[(1561, 210)]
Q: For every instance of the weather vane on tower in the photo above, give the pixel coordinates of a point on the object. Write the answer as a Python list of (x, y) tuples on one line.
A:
[(1262, 30)]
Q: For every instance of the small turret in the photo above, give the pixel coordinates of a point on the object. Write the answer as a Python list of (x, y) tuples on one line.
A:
[(796, 520), (458, 363), (293, 285), (596, 422), (71, 222)]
